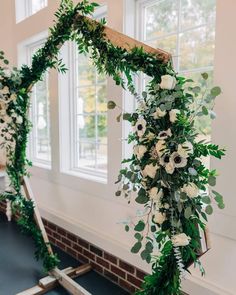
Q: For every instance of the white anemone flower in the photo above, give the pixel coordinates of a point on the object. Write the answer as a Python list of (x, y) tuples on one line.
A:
[(140, 127), (164, 134), (166, 162), (177, 160)]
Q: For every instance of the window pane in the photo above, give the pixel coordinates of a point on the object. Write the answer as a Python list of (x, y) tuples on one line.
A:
[(37, 5), (168, 44), (86, 152), (41, 148), (102, 157), (102, 98), (161, 18), (86, 127), (102, 129), (86, 100), (197, 12), (197, 48)]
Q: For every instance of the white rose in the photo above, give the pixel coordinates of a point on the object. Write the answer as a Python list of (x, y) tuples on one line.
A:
[(185, 149), (180, 240), (3, 108), (150, 170), (160, 147), (159, 218), (156, 194), (191, 190), (173, 115), (5, 90), (158, 113), (7, 119), (170, 168), (139, 151), (168, 82), (19, 120)]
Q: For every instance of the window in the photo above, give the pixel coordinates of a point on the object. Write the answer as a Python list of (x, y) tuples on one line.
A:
[(87, 115), (26, 8), (40, 147), (186, 29)]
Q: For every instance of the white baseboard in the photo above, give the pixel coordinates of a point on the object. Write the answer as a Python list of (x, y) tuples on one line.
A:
[(192, 285)]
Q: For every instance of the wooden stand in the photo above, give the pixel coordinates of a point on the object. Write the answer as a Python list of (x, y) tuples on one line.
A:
[(56, 276)]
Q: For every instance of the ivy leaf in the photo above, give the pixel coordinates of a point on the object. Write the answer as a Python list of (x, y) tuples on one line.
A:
[(215, 91), (138, 236), (126, 228), (209, 210), (136, 248), (127, 117), (140, 226)]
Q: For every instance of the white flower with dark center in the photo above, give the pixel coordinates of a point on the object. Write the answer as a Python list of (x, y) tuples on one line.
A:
[(140, 127), (150, 170), (164, 134), (191, 190), (166, 162), (185, 149), (158, 113), (139, 151), (173, 115), (159, 218), (160, 147), (180, 240), (3, 108), (177, 160), (168, 82), (155, 194)]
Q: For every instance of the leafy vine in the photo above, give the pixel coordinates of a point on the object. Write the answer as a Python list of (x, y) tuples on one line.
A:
[(165, 172)]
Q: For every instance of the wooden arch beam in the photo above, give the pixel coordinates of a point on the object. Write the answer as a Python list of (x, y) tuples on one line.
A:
[(120, 40)]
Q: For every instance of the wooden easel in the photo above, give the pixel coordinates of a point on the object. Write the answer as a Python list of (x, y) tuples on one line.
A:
[(65, 277)]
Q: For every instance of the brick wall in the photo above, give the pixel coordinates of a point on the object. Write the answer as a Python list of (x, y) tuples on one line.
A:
[(120, 272)]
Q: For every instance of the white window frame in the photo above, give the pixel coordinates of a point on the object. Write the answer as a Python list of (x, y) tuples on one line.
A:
[(25, 57), (23, 9), (67, 127), (140, 12)]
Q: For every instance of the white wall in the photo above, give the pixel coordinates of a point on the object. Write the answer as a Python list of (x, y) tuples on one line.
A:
[(94, 216)]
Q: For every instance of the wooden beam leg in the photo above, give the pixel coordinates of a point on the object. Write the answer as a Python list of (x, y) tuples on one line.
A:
[(62, 278), (50, 282)]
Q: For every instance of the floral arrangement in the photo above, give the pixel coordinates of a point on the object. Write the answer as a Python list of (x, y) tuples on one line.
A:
[(167, 175), (165, 172)]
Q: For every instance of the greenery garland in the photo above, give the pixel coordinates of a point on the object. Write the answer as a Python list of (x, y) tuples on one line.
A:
[(165, 172)]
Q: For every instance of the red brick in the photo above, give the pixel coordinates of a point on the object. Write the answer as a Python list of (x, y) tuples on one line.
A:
[(103, 262), (82, 258), (96, 250), (66, 241), (60, 245), (56, 235), (110, 276), (61, 231), (118, 271), (125, 266), (140, 274), (71, 252), (127, 286), (52, 226), (89, 255), (110, 258), (77, 248), (134, 281), (49, 232), (97, 267), (51, 239), (71, 237), (83, 243)]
